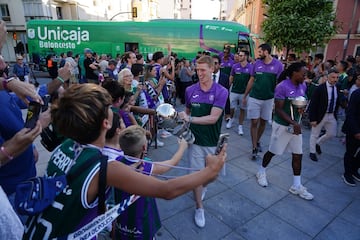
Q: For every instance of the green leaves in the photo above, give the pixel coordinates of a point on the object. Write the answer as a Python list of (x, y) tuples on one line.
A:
[(299, 24)]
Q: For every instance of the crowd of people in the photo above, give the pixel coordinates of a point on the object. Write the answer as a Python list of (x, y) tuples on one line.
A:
[(108, 105)]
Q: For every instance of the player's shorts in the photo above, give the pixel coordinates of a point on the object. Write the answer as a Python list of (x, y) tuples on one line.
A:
[(236, 99), (260, 109), (282, 140), (197, 155)]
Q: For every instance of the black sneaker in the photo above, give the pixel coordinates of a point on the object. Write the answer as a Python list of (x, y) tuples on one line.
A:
[(254, 154), (348, 180), (356, 176), (313, 157), (258, 146), (318, 149)]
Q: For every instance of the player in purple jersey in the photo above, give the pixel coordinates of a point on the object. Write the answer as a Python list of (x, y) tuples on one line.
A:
[(205, 102), (260, 89), (286, 130)]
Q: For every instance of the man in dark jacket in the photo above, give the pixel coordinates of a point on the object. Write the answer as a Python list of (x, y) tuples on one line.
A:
[(222, 79), (351, 128), (322, 113)]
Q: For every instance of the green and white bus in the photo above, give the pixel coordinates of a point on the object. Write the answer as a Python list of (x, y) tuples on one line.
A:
[(186, 37)]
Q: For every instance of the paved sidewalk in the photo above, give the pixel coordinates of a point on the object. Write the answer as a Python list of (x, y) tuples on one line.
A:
[(236, 207)]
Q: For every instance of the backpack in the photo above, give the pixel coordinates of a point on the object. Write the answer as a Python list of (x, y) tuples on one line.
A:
[(36, 194)]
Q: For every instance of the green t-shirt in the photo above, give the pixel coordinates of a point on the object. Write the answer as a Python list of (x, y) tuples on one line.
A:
[(70, 209), (266, 76), (240, 82)]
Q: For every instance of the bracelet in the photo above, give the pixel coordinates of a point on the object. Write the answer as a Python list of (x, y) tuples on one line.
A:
[(2, 149), (4, 84), (60, 79)]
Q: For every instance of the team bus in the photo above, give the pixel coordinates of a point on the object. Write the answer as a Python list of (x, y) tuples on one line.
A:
[(186, 37)]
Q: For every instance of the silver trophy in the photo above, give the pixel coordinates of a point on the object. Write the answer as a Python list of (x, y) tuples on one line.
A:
[(168, 119), (299, 103)]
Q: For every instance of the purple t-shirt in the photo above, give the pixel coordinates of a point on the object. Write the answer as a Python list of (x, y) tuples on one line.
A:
[(200, 104), (266, 76), (287, 91), (141, 219), (241, 77)]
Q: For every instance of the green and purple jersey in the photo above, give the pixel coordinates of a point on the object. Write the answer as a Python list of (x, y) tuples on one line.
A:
[(241, 77), (287, 91), (266, 76), (200, 104), (71, 209), (140, 221), (226, 65)]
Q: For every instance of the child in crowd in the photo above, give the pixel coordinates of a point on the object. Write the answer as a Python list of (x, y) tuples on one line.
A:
[(83, 115)]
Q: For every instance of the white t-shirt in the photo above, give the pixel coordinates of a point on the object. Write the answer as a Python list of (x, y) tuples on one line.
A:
[(11, 227)]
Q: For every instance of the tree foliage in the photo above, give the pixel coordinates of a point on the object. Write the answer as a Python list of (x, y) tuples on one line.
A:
[(299, 25)]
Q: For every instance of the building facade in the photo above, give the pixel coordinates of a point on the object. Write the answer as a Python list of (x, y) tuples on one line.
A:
[(252, 13), (185, 9), (347, 41), (169, 9)]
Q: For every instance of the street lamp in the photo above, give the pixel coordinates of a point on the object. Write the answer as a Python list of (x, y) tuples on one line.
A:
[(133, 13)]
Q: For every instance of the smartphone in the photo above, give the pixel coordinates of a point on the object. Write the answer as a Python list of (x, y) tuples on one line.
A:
[(33, 113), (224, 137), (141, 78), (46, 99)]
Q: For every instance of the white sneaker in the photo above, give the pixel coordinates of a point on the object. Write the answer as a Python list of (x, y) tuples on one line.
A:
[(240, 130), (203, 193), (302, 192), (165, 134), (261, 179), (159, 143), (200, 217), (229, 123)]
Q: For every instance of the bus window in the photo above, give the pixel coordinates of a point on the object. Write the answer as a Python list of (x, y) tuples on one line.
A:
[(132, 47)]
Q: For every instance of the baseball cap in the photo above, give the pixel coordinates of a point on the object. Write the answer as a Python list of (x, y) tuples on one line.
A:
[(88, 50)]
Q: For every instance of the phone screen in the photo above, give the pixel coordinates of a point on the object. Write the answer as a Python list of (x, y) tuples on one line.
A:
[(46, 99), (33, 113), (141, 78)]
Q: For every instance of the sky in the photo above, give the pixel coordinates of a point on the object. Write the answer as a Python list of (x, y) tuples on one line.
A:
[(205, 9)]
